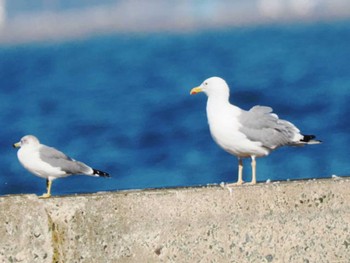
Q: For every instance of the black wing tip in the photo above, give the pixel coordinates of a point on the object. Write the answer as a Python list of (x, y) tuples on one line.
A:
[(310, 139), (101, 174)]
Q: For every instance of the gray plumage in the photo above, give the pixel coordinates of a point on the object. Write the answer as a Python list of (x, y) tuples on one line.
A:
[(58, 159), (254, 133), (261, 125), (49, 163)]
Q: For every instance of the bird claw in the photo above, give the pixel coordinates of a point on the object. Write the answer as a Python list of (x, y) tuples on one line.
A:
[(230, 187), (238, 183), (44, 196)]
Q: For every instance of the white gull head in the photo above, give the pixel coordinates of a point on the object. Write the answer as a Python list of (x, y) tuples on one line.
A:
[(27, 141), (213, 87)]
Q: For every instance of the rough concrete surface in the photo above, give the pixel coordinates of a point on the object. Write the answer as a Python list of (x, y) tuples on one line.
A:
[(302, 221)]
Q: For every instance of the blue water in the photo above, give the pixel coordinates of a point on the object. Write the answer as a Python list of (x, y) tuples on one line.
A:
[(121, 104)]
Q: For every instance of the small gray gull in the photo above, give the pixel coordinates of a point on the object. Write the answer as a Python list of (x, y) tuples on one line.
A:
[(244, 134), (49, 163)]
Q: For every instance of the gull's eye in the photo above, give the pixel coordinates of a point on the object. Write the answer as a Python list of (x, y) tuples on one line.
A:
[(205, 83)]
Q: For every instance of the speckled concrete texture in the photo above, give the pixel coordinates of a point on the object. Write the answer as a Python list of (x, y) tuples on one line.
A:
[(304, 221)]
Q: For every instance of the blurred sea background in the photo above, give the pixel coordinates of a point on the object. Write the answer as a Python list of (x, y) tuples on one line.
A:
[(107, 82)]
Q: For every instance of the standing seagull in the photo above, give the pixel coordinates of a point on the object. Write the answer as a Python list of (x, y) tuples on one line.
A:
[(49, 163), (253, 133)]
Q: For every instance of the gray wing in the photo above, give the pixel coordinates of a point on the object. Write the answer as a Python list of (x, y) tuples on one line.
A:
[(58, 159), (260, 124)]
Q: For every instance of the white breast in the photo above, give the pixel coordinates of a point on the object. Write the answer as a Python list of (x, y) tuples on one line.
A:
[(31, 161), (224, 128)]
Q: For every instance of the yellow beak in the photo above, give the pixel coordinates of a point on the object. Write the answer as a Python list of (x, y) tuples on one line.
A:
[(17, 145), (196, 90)]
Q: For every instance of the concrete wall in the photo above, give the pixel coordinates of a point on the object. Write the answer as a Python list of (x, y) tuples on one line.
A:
[(304, 221)]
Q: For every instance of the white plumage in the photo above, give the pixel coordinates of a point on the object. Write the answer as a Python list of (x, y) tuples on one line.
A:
[(253, 133), (49, 163)]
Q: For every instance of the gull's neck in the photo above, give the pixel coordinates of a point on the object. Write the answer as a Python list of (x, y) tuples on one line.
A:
[(30, 147), (218, 98), (218, 105)]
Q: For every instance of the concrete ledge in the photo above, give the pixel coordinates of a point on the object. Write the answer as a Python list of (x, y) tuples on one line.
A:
[(303, 221)]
